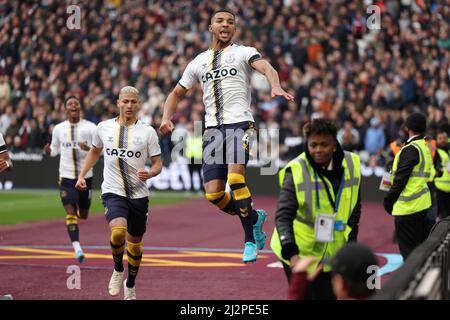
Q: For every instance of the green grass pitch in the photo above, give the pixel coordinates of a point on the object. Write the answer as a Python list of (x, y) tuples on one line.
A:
[(18, 206)]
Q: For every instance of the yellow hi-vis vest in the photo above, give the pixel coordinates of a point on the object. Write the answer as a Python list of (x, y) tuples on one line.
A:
[(415, 196), (443, 183), (311, 203), (193, 147)]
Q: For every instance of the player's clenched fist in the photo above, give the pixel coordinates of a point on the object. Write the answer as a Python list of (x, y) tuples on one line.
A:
[(166, 127), (143, 174), (47, 149), (81, 184), (4, 165)]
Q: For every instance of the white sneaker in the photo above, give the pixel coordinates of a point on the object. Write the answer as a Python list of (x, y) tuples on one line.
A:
[(115, 283), (129, 293)]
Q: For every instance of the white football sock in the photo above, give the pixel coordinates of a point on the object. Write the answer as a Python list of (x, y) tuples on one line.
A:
[(76, 246)]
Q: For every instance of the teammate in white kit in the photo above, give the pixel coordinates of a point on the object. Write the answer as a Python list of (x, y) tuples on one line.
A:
[(224, 74), (126, 143), (5, 165), (71, 139), (5, 161)]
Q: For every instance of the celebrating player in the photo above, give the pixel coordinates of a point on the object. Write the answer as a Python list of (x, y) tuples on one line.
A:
[(224, 74)]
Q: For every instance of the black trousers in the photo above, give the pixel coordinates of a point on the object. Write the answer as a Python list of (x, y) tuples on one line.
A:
[(193, 167), (320, 289), (411, 231), (443, 201)]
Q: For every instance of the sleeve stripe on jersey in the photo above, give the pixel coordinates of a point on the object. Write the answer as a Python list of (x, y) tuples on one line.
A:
[(3, 148), (182, 85), (254, 58)]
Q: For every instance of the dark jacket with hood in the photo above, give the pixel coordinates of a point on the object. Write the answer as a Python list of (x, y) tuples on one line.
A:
[(287, 203)]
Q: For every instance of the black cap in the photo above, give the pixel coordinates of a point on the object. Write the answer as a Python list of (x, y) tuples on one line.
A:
[(352, 261), (416, 122)]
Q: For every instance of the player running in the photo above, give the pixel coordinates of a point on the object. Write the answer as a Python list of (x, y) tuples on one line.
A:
[(72, 139), (126, 144)]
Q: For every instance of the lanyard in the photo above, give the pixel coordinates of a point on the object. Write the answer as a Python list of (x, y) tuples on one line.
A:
[(338, 198)]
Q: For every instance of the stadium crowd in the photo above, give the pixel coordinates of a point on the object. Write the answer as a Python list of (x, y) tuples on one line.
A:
[(367, 81)]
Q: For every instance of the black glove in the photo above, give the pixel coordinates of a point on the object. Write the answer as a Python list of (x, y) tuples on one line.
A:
[(288, 250), (387, 205)]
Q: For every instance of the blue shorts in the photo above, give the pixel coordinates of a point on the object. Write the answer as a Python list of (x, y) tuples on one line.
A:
[(222, 145), (135, 211), (70, 195)]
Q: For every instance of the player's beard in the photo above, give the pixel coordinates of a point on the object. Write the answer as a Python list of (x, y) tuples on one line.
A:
[(225, 43)]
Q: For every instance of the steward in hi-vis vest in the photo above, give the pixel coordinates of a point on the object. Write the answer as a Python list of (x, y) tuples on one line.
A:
[(319, 204), (409, 198)]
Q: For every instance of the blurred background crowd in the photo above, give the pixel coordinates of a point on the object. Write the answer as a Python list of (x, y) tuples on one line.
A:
[(367, 81)]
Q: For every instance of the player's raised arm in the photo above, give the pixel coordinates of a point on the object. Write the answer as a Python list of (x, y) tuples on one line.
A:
[(170, 106), (265, 68), (91, 159)]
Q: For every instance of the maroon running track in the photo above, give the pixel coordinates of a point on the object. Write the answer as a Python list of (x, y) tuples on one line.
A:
[(192, 252)]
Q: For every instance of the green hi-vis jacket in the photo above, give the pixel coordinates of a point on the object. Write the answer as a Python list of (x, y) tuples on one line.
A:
[(443, 183), (313, 200), (415, 196)]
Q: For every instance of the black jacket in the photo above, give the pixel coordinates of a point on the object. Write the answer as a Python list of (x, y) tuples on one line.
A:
[(287, 204), (409, 158)]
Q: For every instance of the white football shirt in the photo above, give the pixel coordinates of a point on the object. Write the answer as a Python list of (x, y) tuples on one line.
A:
[(2, 144), (65, 139), (125, 150), (224, 76)]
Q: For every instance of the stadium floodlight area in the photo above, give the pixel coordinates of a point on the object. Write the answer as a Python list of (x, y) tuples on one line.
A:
[(425, 275)]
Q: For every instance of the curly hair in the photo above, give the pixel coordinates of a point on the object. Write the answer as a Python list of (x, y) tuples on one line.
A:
[(72, 97), (319, 127)]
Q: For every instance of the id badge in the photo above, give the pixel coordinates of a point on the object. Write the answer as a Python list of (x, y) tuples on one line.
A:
[(324, 227), (386, 181)]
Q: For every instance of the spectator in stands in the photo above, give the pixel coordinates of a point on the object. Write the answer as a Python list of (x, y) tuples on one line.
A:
[(5, 119), (5, 88), (375, 139), (335, 65), (14, 127), (348, 136), (17, 145)]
